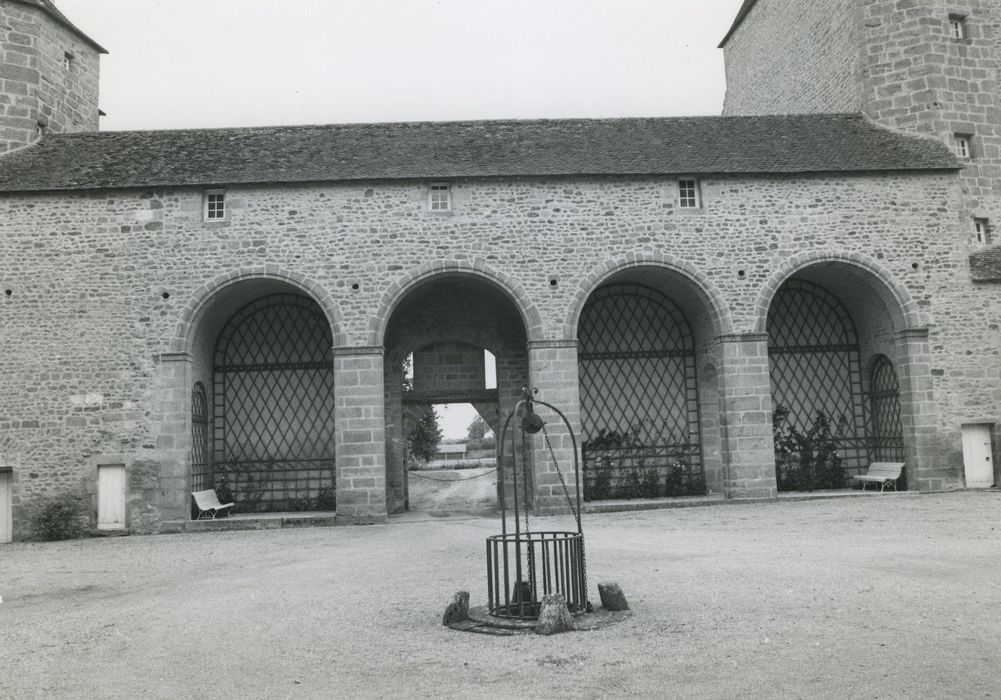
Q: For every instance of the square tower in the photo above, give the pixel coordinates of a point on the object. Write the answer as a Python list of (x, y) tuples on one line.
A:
[(49, 73)]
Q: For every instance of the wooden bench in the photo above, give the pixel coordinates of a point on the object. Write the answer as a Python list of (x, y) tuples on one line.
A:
[(208, 504), (883, 473)]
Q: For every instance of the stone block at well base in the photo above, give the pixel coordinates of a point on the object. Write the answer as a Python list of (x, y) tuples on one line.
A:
[(457, 610), (554, 617), (612, 597)]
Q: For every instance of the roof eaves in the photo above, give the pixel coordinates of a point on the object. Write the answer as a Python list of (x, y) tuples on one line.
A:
[(52, 11), (741, 14)]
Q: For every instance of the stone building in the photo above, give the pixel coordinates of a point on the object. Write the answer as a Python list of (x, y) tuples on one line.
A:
[(188, 308)]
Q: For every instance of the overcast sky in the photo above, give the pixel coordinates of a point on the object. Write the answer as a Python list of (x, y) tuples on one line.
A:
[(206, 63)]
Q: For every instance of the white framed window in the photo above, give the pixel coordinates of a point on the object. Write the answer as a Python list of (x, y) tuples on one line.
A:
[(440, 197), (214, 207), (964, 146), (957, 26), (688, 193), (67, 60), (982, 228)]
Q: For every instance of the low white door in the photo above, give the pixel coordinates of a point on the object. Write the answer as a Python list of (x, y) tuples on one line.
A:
[(6, 506), (978, 457), (111, 497)]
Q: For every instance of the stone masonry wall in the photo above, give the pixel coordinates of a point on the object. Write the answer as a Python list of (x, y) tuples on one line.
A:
[(36, 86), (918, 78), (94, 289), (793, 57)]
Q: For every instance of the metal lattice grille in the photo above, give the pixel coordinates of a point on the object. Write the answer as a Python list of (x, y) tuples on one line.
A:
[(199, 439), (814, 356), (273, 406), (886, 438), (639, 396)]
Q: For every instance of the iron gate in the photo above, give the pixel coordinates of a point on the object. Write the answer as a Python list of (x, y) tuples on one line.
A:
[(815, 376), (273, 407), (638, 396), (886, 438), (200, 478)]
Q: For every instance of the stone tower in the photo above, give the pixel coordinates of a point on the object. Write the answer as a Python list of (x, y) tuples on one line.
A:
[(48, 74), (929, 67)]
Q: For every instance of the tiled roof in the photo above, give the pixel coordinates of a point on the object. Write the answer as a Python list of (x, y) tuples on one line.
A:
[(424, 150), (49, 7), (741, 14)]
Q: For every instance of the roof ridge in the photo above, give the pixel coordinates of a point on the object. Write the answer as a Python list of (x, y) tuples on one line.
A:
[(464, 122)]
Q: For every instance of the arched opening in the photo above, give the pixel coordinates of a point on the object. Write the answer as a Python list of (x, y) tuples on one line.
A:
[(263, 400), (831, 419), (642, 336), (886, 434), (816, 382), (200, 472), (459, 342)]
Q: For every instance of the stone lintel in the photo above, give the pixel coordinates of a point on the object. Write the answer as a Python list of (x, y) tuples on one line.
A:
[(176, 357), (341, 350), (742, 338), (551, 344)]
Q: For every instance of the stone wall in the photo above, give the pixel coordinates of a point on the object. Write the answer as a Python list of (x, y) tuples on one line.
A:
[(40, 87), (102, 296), (794, 57)]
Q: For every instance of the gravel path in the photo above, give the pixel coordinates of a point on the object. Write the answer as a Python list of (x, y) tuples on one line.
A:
[(885, 596)]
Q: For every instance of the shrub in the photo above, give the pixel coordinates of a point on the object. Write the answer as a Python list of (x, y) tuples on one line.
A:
[(58, 517), (327, 500)]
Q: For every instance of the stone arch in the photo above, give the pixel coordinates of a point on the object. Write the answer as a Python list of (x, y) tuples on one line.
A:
[(477, 269), (897, 299), (201, 300), (708, 293)]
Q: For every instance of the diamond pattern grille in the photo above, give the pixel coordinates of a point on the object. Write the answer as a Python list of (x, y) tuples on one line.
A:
[(814, 357), (887, 434), (199, 438), (273, 404), (639, 396)]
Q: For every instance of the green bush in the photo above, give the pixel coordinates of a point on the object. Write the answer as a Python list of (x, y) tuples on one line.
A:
[(58, 517)]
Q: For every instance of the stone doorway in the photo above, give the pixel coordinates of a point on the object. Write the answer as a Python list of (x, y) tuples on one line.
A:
[(439, 341)]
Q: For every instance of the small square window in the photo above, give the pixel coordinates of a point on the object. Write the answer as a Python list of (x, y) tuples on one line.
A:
[(982, 227), (215, 205), (440, 197), (964, 145), (688, 194), (957, 26)]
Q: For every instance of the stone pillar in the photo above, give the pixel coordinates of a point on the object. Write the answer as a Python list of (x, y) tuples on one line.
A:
[(360, 435), (926, 468), (396, 438), (553, 371), (746, 417), (165, 475)]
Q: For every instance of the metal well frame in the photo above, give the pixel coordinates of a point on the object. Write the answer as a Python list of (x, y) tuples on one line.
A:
[(522, 565)]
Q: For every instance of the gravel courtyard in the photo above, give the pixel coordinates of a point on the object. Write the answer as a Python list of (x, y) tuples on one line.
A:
[(881, 596)]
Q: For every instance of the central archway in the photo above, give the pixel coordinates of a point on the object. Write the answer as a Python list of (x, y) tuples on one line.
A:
[(444, 324)]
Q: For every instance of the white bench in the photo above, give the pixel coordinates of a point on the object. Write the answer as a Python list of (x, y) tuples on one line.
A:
[(883, 473), (208, 504)]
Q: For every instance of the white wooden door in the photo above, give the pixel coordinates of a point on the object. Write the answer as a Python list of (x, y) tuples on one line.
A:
[(6, 506), (978, 456), (111, 497)]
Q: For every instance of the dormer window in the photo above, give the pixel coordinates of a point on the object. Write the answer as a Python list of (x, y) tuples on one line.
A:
[(214, 208), (440, 197), (688, 194)]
